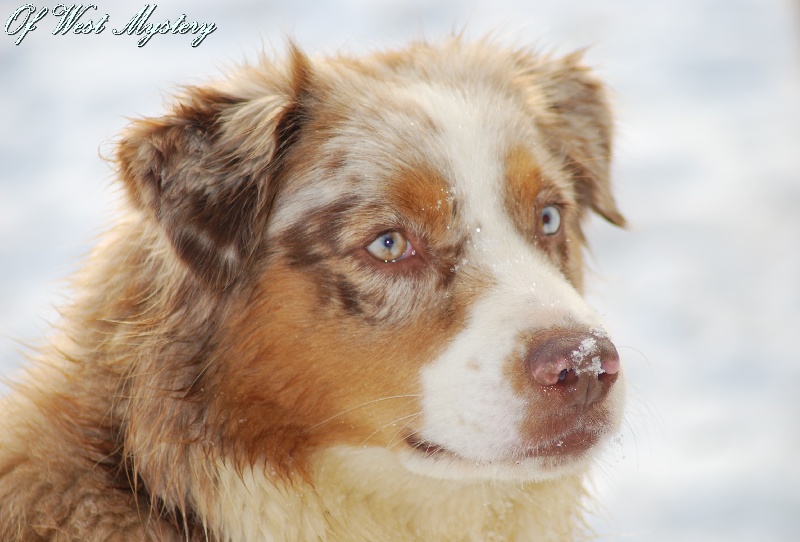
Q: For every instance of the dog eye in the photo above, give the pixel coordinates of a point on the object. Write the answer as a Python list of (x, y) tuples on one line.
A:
[(390, 247), (551, 220)]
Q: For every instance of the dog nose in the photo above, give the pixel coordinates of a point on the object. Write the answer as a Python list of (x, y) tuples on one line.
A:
[(583, 365)]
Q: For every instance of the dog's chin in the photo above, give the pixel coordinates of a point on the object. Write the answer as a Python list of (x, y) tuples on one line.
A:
[(554, 458)]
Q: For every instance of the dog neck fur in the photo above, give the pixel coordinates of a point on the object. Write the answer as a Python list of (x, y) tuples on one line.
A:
[(365, 494)]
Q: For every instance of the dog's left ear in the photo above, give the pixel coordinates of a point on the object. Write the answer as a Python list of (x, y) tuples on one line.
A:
[(576, 120)]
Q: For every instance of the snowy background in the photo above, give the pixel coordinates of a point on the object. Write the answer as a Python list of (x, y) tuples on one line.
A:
[(702, 294)]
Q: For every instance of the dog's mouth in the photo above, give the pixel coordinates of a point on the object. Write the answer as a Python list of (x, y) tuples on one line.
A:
[(427, 448), (558, 448), (573, 443)]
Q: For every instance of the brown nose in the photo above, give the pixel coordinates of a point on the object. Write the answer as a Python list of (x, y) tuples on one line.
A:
[(583, 365)]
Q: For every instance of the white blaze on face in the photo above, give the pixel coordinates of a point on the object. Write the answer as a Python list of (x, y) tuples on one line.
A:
[(469, 405)]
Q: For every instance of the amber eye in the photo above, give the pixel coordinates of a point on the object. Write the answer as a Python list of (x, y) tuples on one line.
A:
[(551, 220), (390, 247)]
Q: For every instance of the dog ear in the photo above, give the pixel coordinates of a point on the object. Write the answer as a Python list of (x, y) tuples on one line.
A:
[(206, 171), (577, 125)]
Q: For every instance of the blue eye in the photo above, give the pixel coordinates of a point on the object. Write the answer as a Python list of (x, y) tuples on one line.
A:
[(551, 220), (390, 247)]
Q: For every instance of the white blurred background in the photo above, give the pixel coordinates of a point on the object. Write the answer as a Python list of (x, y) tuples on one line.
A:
[(702, 294)]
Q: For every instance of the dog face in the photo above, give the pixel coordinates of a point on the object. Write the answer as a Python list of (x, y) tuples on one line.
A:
[(392, 247)]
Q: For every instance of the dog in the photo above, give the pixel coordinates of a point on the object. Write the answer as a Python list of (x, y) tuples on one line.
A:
[(342, 302)]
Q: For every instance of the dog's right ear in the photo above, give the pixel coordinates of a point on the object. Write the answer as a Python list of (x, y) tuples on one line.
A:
[(206, 171)]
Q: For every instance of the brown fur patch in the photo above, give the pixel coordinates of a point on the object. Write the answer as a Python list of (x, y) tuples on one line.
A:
[(363, 378), (523, 184), (527, 192)]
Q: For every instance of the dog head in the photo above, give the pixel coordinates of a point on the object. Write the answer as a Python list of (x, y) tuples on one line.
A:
[(392, 248)]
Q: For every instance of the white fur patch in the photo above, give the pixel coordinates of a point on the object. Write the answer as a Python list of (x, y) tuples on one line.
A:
[(470, 408)]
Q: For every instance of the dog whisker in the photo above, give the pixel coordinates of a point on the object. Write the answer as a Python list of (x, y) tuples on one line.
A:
[(399, 433), (360, 406), (409, 417)]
